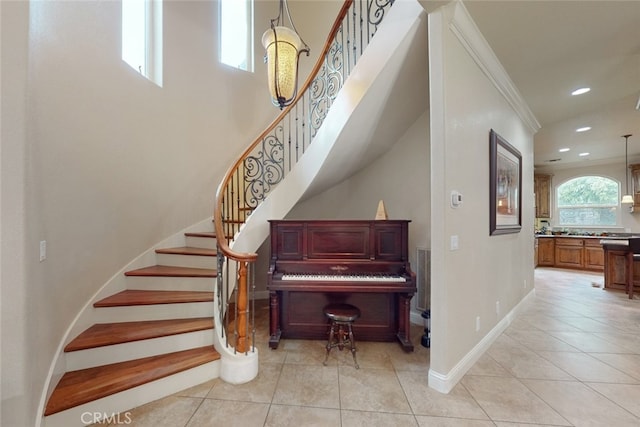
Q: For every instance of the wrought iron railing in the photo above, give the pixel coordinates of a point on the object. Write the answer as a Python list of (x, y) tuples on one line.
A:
[(267, 161)]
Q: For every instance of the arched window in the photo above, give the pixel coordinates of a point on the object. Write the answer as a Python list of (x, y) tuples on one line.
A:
[(588, 201)]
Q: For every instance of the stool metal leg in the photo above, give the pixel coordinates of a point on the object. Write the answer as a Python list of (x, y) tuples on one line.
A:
[(353, 346), (329, 344), (341, 335)]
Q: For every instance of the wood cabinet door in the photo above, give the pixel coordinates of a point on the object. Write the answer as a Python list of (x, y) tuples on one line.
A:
[(593, 258), (546, 251), (542, 187), (593, 255), (635, 184), (615, 273), (569, 253)]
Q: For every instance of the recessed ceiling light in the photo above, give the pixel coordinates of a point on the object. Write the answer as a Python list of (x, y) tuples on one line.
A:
[(583, 154), (581, 91), (564, 150), (583, 129)]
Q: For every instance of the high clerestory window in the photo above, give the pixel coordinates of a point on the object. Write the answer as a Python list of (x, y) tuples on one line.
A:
[(588, 201), (142, 37), (236, 33)]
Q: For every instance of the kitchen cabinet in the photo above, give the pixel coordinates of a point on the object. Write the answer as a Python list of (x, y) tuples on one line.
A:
[(569, 252), (546, 251), (542, 188), (593, 255), (615, 272), (635, 186)]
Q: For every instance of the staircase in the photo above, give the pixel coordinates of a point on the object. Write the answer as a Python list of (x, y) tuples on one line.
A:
[(149, 340), (155, 335)]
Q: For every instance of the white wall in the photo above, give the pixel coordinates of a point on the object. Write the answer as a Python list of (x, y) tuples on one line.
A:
[(103, 164), (400, 178), (471, 94), (17, 328)]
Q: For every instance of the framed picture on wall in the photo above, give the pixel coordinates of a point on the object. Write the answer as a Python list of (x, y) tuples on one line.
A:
[(505, 186)]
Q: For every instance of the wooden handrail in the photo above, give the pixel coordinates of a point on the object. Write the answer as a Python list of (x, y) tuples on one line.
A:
[(221, 237), (264, 163)]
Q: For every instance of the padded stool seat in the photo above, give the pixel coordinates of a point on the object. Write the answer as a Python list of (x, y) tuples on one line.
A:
[(341, 315)]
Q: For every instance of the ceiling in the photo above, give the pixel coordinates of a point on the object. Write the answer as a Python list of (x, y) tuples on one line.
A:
[(550, 48)]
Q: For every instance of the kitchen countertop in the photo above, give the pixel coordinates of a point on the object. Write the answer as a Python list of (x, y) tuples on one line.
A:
[(577, 236), (616, 239)]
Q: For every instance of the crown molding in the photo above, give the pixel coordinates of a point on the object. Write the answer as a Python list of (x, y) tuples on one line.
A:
[(464, 28)]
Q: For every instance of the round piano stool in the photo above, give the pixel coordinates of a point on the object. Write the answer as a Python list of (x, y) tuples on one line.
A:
[(341, 318)]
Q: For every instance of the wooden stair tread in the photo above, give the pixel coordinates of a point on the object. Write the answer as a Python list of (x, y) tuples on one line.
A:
[(188, 250), (172, 271), (211, 234), (103, 334), (140, 297), (86, 385)]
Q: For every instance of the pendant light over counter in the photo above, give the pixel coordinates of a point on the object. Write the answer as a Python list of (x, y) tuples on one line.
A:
[(627, 199)]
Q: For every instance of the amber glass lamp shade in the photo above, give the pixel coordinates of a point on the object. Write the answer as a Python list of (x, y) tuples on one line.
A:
[(283, 47)]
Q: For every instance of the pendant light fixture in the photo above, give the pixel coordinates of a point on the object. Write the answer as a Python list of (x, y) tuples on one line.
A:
[(627, 198), (283, 48)]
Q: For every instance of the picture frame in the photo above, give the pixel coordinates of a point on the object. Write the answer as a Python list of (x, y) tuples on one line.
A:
[(505, 186)]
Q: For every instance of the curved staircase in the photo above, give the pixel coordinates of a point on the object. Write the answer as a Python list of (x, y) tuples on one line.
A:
[(151, 339), (155, 335)]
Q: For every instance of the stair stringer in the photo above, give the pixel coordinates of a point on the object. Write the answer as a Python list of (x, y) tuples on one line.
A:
[(89, 315), (341, 147), (118, 405)]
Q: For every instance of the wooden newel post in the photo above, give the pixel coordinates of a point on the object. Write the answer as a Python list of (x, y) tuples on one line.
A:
[(241, 321)]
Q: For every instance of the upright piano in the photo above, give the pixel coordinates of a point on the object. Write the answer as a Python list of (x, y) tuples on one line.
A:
[(359, 262)]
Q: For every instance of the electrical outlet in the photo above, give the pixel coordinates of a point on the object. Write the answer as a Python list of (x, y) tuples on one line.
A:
[(43, 250), (498, 308), (477, 323), (525, 283)]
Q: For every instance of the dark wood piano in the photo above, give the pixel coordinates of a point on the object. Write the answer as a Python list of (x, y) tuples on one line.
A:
[(364, 263)]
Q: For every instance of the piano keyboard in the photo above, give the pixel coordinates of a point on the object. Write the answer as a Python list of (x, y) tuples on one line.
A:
[(344, 278)]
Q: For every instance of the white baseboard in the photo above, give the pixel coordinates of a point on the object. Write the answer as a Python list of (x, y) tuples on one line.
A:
[(444, 383)]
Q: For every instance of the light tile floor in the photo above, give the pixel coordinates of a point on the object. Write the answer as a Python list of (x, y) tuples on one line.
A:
[(572, 358)]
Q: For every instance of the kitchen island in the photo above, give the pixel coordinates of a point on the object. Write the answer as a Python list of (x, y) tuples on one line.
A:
[(621, 272)]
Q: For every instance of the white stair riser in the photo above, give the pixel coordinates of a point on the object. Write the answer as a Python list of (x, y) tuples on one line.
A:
[(89, 358), (126, 400), (201, 242), (153, 312), (161, 283), (193, 261)]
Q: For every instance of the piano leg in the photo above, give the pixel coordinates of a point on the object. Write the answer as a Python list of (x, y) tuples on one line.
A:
[(274, 319), (404, 324)]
